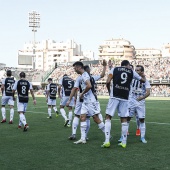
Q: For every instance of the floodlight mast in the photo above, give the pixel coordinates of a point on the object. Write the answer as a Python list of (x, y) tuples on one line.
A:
[(34, 22)]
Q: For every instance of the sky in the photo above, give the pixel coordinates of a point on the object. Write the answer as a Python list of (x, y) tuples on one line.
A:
[(145, 23)]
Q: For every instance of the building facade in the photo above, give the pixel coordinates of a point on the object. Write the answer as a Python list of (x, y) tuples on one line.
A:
[(116, 49), (48, 53)]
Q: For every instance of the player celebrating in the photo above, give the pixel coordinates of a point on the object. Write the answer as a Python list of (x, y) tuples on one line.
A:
[(89, 105), (6, 88), (119, 94), (51, 97), (66, 83), (140, 91), (23, 86)]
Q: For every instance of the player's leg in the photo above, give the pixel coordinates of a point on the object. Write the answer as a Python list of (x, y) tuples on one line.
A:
[(4, 101), (21, 110), (70, 115), (75, 123), (54, 107), (63, 102), (141, 114), (49, 108), (83, 124), (11, 104), (110, 111), (137, 125), (124, 113)]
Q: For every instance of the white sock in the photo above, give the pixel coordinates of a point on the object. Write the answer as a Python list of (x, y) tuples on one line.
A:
[(128, 125), (22, 119), (100, 117), (11, 114), (101, 127), (55, 108), (75, 125), (142, 129), (124, 132), (49, 112), (107, 130), (20, 123), (88, 125), (63, 113), (137, 122), (83, 126), (70, 115), (3, 110)]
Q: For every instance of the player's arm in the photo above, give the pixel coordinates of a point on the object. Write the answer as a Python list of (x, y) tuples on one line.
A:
[(59, 90), (73, 92), (2, 88), (109, 78), (104, 69), (13, 90), (136, 76), (88, 87), (33, 97), (145, 96)]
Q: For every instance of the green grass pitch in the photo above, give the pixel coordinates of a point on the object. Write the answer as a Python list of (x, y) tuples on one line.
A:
[(45, 146)]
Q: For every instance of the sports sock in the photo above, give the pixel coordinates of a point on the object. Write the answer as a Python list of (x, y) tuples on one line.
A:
[(22, 119), (49, 112), (107, 130), (70, 115), (137, 122), (101, 127), (124, 132), (75, 125), (11, 114), (55, 108), (88, 125), (63, 113), (100, 117), (83, 126), (142, 129), (3, 110)]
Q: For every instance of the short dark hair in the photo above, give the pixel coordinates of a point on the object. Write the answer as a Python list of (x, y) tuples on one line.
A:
[(22, 75), (86, 67), (78, 63), (125, 63), (141, 67), (50, 79), (9, 73), (65, 75)]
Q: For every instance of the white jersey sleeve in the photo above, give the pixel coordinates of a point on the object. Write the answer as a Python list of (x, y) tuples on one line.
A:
[(77, 82), (15, 85), (96, 77), (136, 75)]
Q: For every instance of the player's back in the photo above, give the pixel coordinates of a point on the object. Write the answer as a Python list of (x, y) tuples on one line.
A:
[(8, 84), (67, 85), (23, 87), (122, 78)]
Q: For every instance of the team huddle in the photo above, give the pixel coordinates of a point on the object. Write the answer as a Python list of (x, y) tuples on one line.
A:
[(127, 88)]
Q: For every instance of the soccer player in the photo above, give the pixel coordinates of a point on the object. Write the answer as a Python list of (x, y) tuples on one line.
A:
[(140, 91), (23, 86), (93, 79), (51, 97), (6, 88), (66, 84), (119, 94), (89, 105)]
